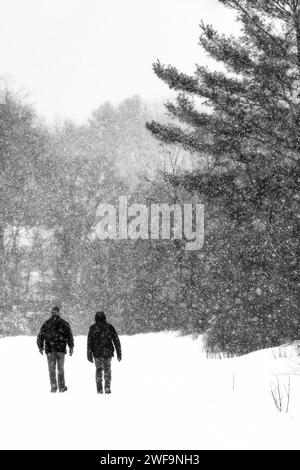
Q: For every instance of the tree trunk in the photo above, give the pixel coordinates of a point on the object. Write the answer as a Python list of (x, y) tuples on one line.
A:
[(2, 268), (297, 27)]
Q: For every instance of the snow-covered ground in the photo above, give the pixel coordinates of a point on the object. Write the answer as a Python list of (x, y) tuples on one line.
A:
[(166, 394)]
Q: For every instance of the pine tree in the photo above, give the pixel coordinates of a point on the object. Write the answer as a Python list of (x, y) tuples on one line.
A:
[(248, 124)]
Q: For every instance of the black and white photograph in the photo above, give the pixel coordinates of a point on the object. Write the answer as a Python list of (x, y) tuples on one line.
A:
[(149, 227)]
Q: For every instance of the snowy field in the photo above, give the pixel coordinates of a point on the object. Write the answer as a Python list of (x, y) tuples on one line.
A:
[(166, 394)]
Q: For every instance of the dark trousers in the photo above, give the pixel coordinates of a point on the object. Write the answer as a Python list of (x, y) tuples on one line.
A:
[(56, 359), (103, 364)]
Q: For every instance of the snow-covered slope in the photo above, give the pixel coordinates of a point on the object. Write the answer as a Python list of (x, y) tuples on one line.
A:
[(166, 394)]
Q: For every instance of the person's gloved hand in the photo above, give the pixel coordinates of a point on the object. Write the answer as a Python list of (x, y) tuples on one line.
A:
[(41, 351), (119, 358), (90, 359), (71, 351)]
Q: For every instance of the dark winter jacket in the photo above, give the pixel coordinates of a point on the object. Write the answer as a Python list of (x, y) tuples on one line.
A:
[(54, 335), (103, 340)]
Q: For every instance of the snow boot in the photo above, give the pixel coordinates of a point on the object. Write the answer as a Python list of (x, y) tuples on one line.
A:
[(64, 389)]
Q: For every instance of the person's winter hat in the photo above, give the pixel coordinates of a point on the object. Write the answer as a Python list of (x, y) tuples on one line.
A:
[(100, 316)]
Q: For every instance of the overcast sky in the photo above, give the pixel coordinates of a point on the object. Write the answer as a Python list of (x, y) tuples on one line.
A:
[(72, 55)]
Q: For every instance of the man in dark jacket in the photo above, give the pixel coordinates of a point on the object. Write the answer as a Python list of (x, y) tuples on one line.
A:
[(53, 337), (101, 343)]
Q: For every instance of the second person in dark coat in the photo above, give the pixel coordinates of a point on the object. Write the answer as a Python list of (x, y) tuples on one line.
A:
[(101, 343)]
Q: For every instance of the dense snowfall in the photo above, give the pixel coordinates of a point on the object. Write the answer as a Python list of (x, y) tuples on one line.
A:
[(230, 142)]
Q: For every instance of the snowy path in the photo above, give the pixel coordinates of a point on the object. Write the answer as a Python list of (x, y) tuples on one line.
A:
[(165, 395)]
